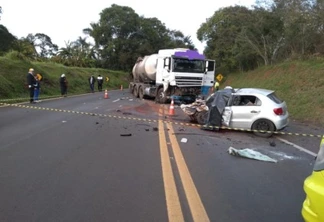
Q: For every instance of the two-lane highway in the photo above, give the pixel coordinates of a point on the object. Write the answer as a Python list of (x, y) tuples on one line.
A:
[(87, 158)]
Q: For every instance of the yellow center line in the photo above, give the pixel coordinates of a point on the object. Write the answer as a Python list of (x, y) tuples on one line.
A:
[(196, 206), (171, 195)]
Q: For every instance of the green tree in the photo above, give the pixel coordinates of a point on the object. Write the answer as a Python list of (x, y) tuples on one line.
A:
[(221, 31), (122, 36), (7, 40)]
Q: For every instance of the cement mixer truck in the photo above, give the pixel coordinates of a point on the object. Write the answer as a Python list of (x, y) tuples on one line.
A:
[(171, 72)]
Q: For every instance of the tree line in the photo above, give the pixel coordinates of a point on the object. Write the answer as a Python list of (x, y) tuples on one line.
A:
[(237, 37)]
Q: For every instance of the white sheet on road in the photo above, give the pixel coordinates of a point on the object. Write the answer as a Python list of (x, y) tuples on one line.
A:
[(249, 153)]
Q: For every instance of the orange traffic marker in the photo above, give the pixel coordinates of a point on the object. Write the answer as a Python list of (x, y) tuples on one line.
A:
[(106, 94), (171, 110)]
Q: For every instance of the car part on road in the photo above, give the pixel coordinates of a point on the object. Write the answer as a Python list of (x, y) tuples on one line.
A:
[(251, 154)]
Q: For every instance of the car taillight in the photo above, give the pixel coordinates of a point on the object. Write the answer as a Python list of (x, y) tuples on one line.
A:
[(278, 111)]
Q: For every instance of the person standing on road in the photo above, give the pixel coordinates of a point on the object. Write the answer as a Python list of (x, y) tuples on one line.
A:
[(31, 82), (92, 82), (100, 81), (37, 88), (216, 86), (63, 85)]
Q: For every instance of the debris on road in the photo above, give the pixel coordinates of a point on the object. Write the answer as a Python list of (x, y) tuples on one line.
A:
[(126, 113), (63, 121), (130, 99), (272, 143), (249, 153), (128, 134), (97, 122), (155, 129), (116, 100), (181, 129), (118, 111), (184, 140), (147, 129)]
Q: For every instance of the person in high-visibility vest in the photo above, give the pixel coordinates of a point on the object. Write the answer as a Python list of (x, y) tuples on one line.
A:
[(216, 86)]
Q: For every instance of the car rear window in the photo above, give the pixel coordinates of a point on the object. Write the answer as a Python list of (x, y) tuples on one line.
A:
[(275, 98)]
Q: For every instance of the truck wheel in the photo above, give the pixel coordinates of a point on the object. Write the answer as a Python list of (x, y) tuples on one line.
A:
[(131, 88), (135, 91), (141, 92), (161, 98), (201, 117)]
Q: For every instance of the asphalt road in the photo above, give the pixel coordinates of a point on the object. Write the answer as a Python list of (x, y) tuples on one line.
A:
[(87, 158)]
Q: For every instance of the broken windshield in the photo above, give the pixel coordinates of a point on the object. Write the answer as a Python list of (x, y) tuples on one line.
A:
[(186, 65)]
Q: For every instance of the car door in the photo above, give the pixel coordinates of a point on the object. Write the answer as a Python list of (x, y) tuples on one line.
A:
[(243, 112)]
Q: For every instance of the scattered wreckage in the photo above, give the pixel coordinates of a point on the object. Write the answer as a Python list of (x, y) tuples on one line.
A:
[(259, 110)]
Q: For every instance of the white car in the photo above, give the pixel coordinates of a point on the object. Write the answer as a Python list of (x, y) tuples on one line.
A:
[(246, 108)]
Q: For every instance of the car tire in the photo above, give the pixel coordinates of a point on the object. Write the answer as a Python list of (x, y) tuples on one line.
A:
[(201, 117), (263, 125)]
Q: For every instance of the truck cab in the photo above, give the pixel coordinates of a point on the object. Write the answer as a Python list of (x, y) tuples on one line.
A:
[(170, 73), (182, 73)]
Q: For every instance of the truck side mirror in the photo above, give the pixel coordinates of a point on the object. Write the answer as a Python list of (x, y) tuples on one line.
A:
[(167, 63), (206, 67)]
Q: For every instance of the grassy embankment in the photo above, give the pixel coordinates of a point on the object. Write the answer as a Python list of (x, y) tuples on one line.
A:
[(13, 79), (299, 83)]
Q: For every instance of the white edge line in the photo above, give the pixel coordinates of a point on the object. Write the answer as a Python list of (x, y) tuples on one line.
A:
[(297, 147)]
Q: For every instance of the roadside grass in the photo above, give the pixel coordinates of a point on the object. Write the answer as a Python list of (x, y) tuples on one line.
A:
[(13, 79)]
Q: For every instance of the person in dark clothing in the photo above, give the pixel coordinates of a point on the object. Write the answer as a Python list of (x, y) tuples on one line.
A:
[(63, 85), (100, 81), (31, 82), (92, 80), (37, 88)]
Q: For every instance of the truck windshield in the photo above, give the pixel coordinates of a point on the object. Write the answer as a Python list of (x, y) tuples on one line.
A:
[(186, 65)]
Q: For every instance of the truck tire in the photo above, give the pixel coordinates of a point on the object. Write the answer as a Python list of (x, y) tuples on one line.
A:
[(135, 91), (141, 92), (161, 98), (131, 88)]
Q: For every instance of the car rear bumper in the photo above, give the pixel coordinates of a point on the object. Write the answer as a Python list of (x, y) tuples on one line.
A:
[(281, 123), (313, 205)]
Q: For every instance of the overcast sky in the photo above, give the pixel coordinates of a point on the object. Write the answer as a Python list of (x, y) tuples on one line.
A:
[(64, 20)]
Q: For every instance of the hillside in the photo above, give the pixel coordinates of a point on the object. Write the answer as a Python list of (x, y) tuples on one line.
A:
[(13, 79), (299, 83)]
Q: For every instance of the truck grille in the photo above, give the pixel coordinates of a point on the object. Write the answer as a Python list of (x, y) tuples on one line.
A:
[(188, 81)]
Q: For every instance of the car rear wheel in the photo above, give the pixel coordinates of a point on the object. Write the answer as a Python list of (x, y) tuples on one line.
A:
[(263, 125)]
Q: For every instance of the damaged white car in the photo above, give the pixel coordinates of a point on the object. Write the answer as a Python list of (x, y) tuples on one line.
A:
[(254, 109)]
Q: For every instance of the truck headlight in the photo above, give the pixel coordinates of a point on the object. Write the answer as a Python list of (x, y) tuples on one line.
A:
[(319, 164)]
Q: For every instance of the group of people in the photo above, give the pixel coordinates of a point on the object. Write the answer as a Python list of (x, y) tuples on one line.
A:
[(33, 82), (92, 81)]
